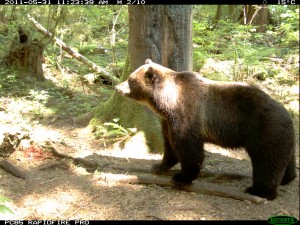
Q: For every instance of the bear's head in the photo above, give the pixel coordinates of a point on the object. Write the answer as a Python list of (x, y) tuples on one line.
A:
[(152, 85)]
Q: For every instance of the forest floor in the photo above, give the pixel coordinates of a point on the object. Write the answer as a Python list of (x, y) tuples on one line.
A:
[(55, 188)]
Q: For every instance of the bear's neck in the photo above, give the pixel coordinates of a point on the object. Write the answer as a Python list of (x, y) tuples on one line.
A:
[(166, 98)]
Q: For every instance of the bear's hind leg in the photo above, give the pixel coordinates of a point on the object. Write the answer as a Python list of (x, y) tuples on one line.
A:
[(290, 171), (266, 176)]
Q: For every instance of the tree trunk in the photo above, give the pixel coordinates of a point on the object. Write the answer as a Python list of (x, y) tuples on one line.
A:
[(233, 12), (218, 14), (163, 34), (262, 19), (256, 16), (27, 54)]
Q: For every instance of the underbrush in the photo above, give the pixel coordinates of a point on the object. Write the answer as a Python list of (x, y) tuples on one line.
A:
[(54, 100)]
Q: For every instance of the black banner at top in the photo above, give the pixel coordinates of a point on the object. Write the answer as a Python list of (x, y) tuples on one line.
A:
[(147, 2)]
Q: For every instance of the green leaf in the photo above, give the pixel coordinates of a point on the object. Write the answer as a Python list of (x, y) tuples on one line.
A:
[(4, 210), (116, 120), (4, 199), (132, 130)]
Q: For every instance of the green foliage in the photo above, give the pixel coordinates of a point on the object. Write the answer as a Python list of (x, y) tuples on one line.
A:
[(113, 129), (228, 40), (41, 100), (273, 56), (88, 28), (4, 210), (285, 29)]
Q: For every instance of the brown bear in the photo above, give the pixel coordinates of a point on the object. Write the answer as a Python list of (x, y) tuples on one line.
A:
[(195, 110)]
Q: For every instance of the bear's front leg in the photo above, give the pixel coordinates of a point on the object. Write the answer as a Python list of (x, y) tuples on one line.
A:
[(190, 153), (169, 157)]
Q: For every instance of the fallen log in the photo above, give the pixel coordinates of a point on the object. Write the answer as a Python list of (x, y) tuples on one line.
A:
[(10, 168), (197, 187), (73, 53), (90, 164), (203, 174)]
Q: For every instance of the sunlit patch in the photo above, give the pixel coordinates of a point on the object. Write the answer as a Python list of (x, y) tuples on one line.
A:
[(50, 205), (43, 134), (236, 153)]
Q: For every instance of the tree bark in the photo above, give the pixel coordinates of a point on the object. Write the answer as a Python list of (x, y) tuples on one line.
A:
[(164, 34), (27, 54), (256, 16), (233, 12), (218, 14)]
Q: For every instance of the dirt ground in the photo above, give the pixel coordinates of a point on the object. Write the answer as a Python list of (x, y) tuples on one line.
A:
[(65, 191)]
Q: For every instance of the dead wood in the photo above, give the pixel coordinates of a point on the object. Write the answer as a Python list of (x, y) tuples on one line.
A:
[(73, 53), (10, 168), (196, 187), (86, 163), (203, 174), (52, 165), (27, 54)]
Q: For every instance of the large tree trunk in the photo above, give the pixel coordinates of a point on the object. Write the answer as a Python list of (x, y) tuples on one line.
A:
[(162, 33), (256, 16)]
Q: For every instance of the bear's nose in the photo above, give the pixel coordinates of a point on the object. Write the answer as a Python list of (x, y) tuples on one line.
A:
[(123, 88)]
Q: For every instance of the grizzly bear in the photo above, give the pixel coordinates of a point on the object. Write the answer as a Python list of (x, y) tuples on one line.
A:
[(195, 110)]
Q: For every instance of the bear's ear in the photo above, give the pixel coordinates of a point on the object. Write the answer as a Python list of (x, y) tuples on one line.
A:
[(148, 61), (151, 75)]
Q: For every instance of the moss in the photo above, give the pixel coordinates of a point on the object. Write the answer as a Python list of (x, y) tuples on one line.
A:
[(132, 115)]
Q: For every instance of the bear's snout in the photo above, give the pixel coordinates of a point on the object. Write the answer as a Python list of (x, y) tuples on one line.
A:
[(123, 88)]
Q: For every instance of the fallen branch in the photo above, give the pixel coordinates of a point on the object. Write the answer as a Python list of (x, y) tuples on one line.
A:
[(196, 187), (73, 53), (158, 180), (10, 168), (137, 169), (203, 174), (88, 164), (52, 165)]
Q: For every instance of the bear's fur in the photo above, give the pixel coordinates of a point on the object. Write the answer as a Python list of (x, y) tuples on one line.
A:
[(195, 110)]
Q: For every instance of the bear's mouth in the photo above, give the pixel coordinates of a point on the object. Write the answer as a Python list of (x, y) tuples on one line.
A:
[(123, 88)]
